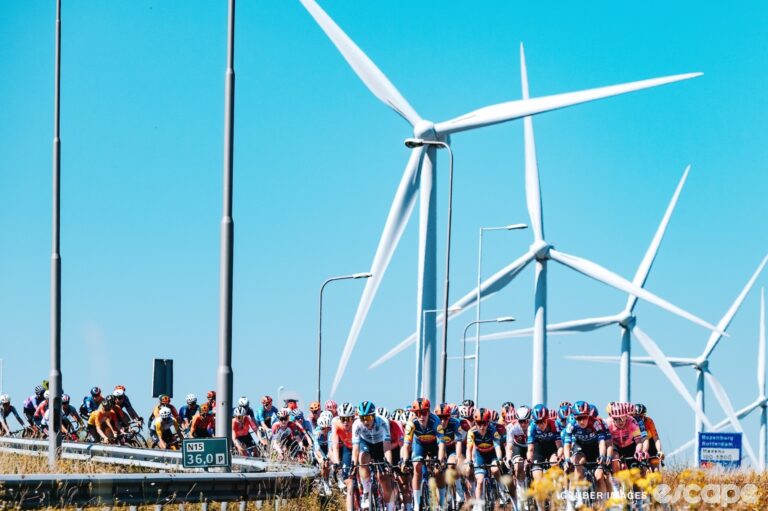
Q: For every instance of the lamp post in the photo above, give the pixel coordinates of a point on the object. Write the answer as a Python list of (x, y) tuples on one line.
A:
[(505, 319), (54, 441), (320, 321), (417, 142), (510, 227), (420, 348), (224, 373)]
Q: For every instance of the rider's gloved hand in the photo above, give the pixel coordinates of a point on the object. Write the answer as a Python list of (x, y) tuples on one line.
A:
[(641, 455), (567, 465)]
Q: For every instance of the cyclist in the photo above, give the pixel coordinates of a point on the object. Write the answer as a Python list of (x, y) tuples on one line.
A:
[(39, 414), (211, 397), (101, 422), (450, 441), (297, 417), (483, 449), (188, 412), (286, 435), (242, 426), (314, 413), (371, 443), (652, 442), (203, 424), (266, 415), (332, 407), (517, 446), (626, 438), (31, 404), (290, 403), (320, 436), (563, 412), (164, 401), (91, 403), (123, 420), (68, 411), (585, 441), (119, 392), (543, 441), (341, 446), (165, 430), (396, 435), (6, 409), (244, 402), (420, 443)]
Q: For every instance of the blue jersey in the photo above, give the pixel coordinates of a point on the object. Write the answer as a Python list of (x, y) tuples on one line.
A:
[(451, 433), (10, 410), (267, 416), (422, 434), (320, 439), (90, 405), (547, 435), (594, 431), (186, 412)]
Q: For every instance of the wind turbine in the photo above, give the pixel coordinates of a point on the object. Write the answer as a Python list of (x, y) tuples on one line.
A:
[(700, 364), (541, 251), (626, 319), (761, 401)]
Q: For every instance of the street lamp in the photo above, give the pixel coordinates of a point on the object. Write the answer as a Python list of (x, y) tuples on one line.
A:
[(417, 142), (279, 391), (464, 357), (420, 347), (510, 227), (320, 323)]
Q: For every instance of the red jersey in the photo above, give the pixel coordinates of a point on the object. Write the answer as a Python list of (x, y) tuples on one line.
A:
[(339, 434), (242, 429), (395, 434)]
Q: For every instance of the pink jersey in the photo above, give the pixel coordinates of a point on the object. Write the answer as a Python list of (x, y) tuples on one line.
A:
[(626, 436)]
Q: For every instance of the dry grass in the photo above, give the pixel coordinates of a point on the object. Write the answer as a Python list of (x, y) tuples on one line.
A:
[(20, 464)]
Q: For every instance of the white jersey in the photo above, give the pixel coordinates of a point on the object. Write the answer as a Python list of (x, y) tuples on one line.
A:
[(377, 433)]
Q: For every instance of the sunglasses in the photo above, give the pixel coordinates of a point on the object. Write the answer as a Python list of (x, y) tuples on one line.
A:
[(480, 424), (346, 419), (582, 417), (283, 419), (444, 417), (366, 418), (421, 413)]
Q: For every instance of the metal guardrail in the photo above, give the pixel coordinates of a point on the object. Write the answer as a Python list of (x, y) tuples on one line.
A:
[(57, 490), (102, 453)]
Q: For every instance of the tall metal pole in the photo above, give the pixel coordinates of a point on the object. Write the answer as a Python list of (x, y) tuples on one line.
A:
[(224, 386), (54, 440), (320, 321), (444, 358), (625, 367), (477, 322), (699, 425)]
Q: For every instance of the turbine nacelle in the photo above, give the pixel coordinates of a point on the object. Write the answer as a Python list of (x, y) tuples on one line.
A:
[(701, 365), (627, 320), (540, 250), (425, 130)]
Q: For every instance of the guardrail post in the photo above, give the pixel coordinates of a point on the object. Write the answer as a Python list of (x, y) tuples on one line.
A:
[(242, 505), (224, 506), (133, 508), (158, 507), (204, 506)]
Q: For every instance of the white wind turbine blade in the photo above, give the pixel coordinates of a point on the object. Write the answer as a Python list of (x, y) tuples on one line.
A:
[(714, 338), (725, 404), (532, 183), (490, 286), (643, 361), (566, 327), (606, 276), (399, 213), (503, 112), (761, 347), (645, 265), (363, 66), (658, 356), (740, 414)]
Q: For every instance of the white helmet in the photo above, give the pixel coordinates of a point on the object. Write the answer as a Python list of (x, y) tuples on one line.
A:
[(324, 421), (401, 417), (243, 401), (5, 399), (165, 412), (382, 412), (325, 413), (118, 392), (47, 394), (346, 410), (191, 398)]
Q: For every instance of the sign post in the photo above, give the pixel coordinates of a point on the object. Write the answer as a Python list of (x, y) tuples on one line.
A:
[(720, 449), (206, 453)]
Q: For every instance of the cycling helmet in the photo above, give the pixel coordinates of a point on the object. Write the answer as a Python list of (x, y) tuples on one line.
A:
[(120, 387), (326, 413), (95, 391), (165, 413), (346, 410), (608, 408), (466, 412), (118, 392), (507, 404), (553, 414), (393, 413), (382, 412), (523, 413), (640, 409), (324, 422), (164, 400), (580, 408), (593, 410), (482, 415), (109, 401), (64, 399), (366, 408), (620, 410), (443, 410), (297, 415), (39, 390), (47, 394), (509, 415), (240, 412), (494, 416), (283, 413), (331, 405), (565, 411), (540, 413), (191, 399), (266, 400), (5, 399), (420, 405), (468, 402), (314, 406), (454, 411), (211, 394), (243, 401), (400, 416), (204, 408)]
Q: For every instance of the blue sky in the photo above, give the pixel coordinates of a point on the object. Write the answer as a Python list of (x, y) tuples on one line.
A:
[(317, 162)]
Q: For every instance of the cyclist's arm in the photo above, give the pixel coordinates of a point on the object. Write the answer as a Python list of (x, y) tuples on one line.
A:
[(18, 418)]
